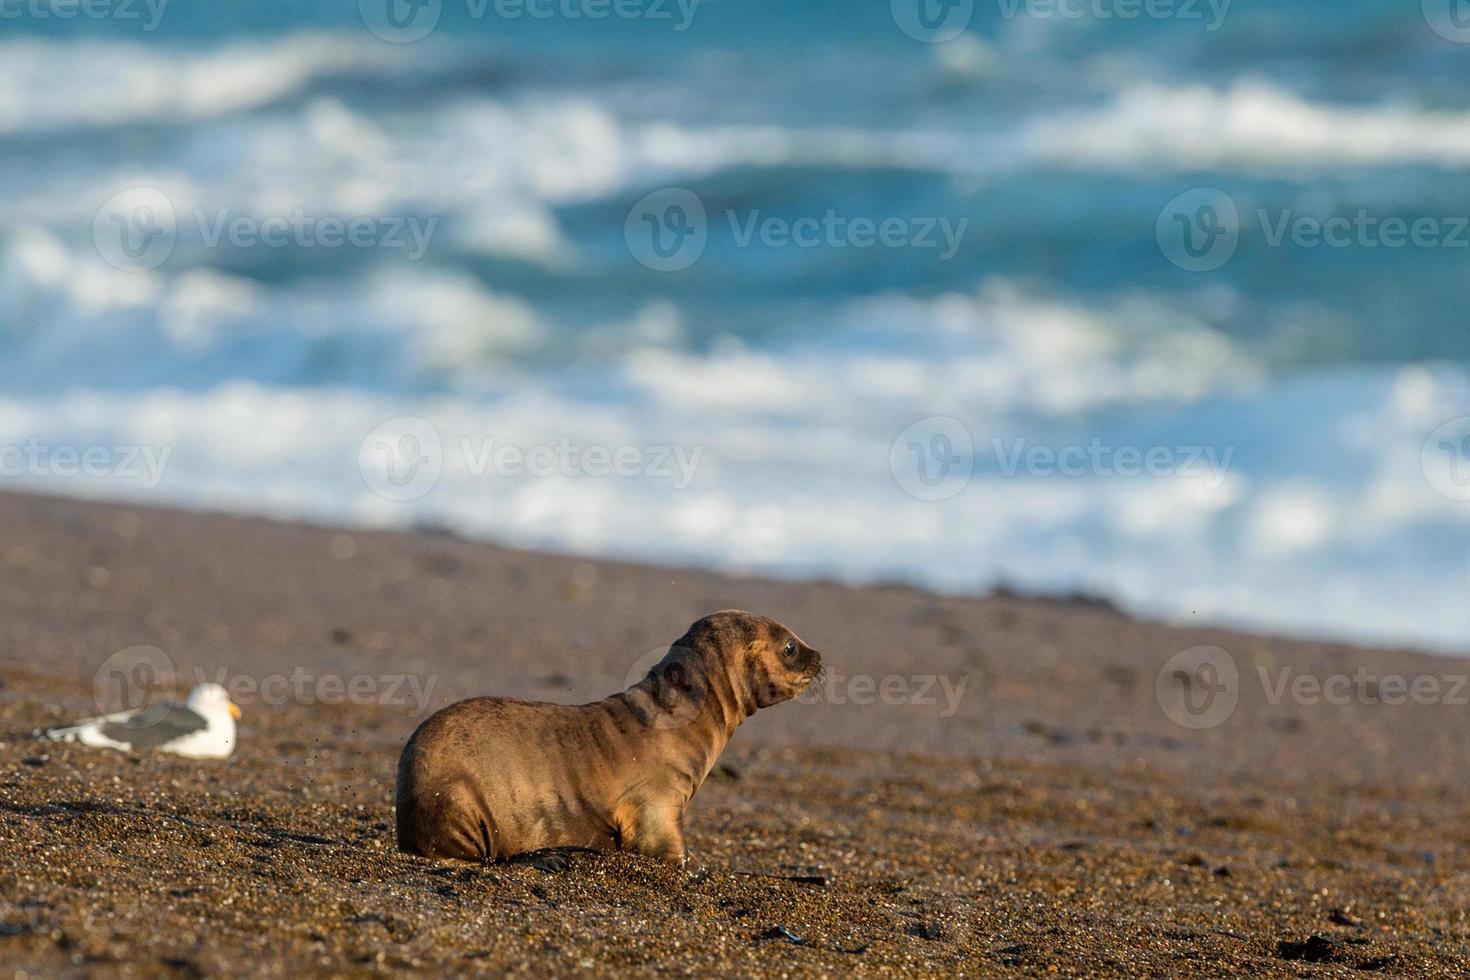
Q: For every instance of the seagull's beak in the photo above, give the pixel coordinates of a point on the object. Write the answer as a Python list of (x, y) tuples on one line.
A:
[(234, 711)]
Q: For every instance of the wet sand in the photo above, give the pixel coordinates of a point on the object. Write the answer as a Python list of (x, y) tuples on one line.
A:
[(986, 786)]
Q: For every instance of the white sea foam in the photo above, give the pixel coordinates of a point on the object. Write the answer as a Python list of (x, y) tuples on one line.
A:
[(570, 147), (50, 85), (1252, 124), (200, 326)]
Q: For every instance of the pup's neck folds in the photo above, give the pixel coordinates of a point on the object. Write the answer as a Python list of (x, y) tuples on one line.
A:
[(692, 704)]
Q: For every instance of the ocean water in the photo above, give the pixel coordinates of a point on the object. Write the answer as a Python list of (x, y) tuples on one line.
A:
[(1169, 306)]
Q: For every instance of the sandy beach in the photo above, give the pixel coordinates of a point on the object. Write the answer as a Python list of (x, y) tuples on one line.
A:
[(984, 786)]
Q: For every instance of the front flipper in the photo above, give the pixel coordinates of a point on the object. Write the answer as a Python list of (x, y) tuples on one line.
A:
[(657, 830), (552, 860)]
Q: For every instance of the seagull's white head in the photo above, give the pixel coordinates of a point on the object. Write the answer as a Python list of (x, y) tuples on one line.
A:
[(212, 700)]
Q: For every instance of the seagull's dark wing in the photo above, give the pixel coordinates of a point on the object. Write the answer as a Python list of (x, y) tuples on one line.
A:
[(154, 726)]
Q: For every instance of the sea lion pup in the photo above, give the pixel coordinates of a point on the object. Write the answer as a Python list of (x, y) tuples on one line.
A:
[(490, 778)]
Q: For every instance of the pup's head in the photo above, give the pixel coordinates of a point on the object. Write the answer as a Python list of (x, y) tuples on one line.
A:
[(768, 659)]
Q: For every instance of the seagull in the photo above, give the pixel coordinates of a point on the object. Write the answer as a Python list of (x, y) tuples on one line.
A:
[(203, 727)]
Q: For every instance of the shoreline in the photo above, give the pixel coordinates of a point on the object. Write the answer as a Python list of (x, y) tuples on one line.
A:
[(1003, 588), (1056, 817)]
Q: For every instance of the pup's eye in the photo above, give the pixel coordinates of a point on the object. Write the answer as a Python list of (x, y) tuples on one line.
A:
[(790, 650)]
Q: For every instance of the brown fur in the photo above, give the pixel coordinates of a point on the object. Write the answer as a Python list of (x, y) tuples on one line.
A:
[(489, 778)]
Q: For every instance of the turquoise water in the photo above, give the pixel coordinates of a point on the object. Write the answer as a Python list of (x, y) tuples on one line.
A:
[(904, 308)]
